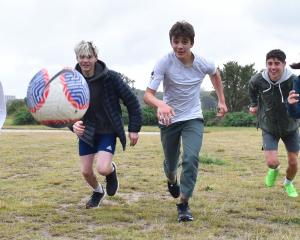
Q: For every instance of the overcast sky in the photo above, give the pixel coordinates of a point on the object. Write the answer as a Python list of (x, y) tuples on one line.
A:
[(133, 34)]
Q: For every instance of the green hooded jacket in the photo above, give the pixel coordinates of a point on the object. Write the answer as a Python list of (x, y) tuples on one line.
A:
[(270, 97)]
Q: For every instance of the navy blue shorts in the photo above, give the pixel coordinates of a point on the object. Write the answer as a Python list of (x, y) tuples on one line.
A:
[(291, 142), (102, 142)]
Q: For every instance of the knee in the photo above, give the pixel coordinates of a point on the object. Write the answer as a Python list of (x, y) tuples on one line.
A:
[(191, 160), (104, 170), (273, 162), (86, 173)]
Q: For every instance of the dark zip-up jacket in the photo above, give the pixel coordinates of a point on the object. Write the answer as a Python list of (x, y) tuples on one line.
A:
[(272, 115), (113, 89)]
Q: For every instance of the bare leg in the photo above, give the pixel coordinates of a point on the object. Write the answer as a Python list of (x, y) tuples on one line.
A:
[(292, 165), (272, 158), (104, 163), (87, 170)]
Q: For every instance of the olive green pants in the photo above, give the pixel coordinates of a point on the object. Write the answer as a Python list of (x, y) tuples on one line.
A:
[(190, 133)]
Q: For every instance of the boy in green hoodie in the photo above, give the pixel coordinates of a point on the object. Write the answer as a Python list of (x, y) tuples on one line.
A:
[(268, 92)]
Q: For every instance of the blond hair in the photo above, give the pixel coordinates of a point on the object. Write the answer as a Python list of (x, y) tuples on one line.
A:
[(86, 48)]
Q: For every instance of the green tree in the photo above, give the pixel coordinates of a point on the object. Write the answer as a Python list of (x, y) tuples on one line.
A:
[(14, 105), (235, 80), (149, 116), (128, 80)]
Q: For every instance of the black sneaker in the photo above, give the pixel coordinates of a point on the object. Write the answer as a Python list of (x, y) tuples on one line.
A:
[(95, 200), (112, 183), (174, 189), (184, 213)]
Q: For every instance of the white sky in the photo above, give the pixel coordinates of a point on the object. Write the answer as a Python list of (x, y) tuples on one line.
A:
[(133, 34)]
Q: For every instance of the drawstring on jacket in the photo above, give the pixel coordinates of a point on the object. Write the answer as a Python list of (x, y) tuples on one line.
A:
[(282, 100), (270, 86)]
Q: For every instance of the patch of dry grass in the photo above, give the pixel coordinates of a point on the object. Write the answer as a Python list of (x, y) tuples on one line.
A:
[(42, 194)]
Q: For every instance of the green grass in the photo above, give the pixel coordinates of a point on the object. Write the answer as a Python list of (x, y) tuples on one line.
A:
[(205, 159), (42, 193)]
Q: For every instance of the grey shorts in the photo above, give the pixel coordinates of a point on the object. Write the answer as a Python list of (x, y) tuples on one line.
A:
[(291, 141)]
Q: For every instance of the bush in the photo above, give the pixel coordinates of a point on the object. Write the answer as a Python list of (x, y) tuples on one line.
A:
[(232, 119), (149, 116), (14, 106), (210, 118), (23, 117), (238, 119), (124, 114)]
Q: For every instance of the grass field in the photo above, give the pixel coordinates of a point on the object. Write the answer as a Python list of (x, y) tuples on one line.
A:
[(42, 193)]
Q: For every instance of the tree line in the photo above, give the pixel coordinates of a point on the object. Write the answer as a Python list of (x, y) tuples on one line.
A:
[(235, 80)]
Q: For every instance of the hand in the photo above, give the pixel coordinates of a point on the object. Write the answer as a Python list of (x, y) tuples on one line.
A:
[(253, 110), (165, 114), (78, 128), (222, 109), (133, 138), (293, 97)]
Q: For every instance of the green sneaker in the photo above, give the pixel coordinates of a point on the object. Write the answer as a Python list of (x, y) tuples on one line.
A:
[(291, 190), (271, 177)]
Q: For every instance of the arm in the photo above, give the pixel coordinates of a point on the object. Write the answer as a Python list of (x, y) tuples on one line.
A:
[(134, 110), (218, 86), (164, 111), (253, 93), (292, 102)]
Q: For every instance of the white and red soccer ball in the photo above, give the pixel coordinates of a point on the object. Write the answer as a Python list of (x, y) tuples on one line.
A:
[(59, 100)]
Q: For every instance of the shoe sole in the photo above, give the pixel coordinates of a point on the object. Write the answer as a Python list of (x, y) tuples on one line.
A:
[(294, 196), (115, 166), (186, 219)]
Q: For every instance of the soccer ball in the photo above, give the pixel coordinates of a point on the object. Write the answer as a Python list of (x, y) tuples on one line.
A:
[(58, 101)]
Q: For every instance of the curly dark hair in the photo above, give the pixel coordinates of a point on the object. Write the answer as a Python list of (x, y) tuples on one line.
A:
[(182, 29), (276, 53)]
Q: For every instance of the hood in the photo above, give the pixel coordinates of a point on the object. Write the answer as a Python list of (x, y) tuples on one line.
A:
[(285, 76), (100, 70)]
